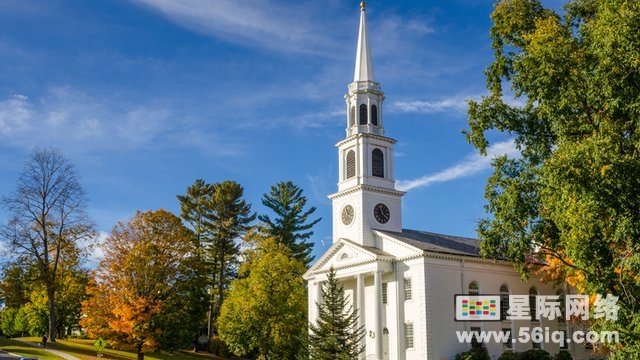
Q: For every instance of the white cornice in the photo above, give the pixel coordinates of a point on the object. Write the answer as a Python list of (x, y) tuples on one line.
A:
[(360, 187), (365, 135), (370, 258)]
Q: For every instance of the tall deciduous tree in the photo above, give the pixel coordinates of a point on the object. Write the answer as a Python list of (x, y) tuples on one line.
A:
[(219, 216), (571, 198), (291, 225), (336, 335), (265, 312), (47, 219), (148, 292)]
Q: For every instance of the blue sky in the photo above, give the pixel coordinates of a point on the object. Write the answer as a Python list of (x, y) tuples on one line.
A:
[(145, 96)]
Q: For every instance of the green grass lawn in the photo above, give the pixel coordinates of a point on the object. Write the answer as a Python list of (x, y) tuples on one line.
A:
[(18, 348), (84, 350)]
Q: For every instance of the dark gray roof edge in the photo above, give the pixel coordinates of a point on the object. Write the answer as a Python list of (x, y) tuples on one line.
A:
[(439, 243)]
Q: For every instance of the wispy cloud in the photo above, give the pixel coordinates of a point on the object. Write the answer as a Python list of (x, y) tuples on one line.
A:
[(265, 23), (453, 103), (67, 118), (471, 165)]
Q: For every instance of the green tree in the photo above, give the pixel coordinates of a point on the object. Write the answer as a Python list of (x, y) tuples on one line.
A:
[(197, 210), (14, 285), (232, 216), (72, 283), (571, 199), (265, 312), (336, 335), (147, 294), (47, 220), (219, 216), (291, 225), (7, 321)]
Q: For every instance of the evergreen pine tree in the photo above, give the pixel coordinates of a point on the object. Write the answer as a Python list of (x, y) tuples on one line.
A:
[(336, 334), (290, 225)]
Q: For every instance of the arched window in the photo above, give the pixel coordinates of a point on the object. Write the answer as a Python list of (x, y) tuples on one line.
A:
[(562, 301), (532, 304), (377, 163), (504, 301), (474, 289), (352, 116), (374, 115), (363, 114), (351, 164)]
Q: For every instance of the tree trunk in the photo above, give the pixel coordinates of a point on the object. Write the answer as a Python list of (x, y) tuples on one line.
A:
[(195, 342), (52, 313), (140, 353), (211, 305), (220, 292)]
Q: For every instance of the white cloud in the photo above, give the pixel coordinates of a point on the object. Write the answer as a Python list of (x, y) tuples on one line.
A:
[(471, 165), (454, 103), (67, 118), (94, 247), (262, 22), (15, 113)]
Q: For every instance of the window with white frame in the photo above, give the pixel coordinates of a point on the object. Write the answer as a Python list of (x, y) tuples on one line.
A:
[(564, 345), (508, 344), (384, 293), (504, 302), (474, 289), (407, 289), (408, 335), (532, 305)]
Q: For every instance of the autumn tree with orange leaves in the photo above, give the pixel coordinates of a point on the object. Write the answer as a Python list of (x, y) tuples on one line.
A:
[(147, 293)]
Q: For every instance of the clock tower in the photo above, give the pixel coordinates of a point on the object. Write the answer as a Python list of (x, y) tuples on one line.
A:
[(366, 197)]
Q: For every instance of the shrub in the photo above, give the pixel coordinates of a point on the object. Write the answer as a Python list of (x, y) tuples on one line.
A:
[(535, 354), (563, 355), (475, 354), (467, 355), (509, 355)]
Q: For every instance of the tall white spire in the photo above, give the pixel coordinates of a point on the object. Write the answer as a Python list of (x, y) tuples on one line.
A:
[(364, 66)]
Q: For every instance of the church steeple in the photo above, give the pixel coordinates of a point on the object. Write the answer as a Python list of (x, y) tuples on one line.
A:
[(366, 197), (364, 99), (364, 66)]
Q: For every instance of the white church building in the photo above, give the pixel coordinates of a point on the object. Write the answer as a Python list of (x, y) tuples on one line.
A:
[(404, 281)]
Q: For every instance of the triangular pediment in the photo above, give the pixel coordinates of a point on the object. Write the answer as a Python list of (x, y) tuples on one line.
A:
[(345, 254)]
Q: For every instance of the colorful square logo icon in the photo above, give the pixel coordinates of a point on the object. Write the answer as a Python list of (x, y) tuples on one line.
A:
[(477, 307)]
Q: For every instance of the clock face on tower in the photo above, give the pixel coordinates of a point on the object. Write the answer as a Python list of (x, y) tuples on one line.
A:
[(381, 213), (347, 214)]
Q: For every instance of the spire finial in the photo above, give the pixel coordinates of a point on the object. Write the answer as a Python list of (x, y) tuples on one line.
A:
[(362, 5)]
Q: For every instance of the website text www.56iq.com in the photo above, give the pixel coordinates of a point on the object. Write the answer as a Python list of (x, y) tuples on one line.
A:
[(538, 335)]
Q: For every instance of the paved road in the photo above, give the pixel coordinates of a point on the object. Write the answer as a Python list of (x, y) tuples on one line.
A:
[(5, 356)]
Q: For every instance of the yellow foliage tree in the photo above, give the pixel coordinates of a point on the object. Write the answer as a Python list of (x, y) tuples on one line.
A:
[(147, 291)]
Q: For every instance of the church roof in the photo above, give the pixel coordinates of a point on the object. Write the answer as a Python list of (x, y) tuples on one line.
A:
[(439, 243)]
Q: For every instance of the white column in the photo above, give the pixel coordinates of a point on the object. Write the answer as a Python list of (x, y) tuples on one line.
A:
[(360, 305), (317, 300), (377, 310)]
